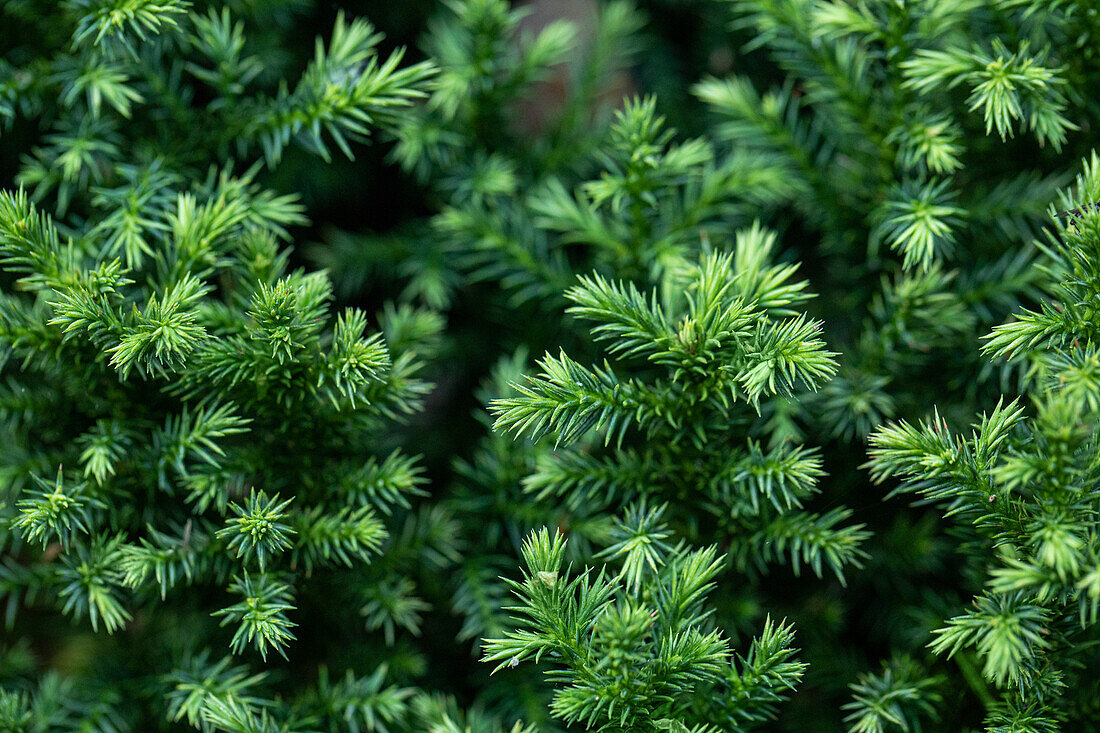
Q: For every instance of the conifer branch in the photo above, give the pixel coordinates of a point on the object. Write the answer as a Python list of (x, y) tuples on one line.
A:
[(261, 615)]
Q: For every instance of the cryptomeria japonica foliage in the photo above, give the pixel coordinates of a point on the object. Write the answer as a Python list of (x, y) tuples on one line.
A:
[(192, 433), (685, 366), (1023, 490)]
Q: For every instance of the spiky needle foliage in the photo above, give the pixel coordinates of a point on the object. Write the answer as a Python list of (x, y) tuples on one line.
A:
[(215, 508), (637, 653), (725, 339), (205, 410), (1022, 489)]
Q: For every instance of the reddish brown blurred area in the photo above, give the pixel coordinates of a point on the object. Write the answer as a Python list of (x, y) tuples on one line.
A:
[(536, 113)]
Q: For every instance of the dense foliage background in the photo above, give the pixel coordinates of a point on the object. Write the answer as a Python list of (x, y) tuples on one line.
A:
[(565, 365)]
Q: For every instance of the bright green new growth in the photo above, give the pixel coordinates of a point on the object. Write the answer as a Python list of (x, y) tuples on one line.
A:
[(1022, 487), (159, 345), (723, 338), (256, 530), (250, 368), (261, 615), (121, 22), (264, 517), (56, 512), (638, 652)]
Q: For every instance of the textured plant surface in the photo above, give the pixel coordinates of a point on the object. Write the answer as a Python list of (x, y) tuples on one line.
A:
[(694, 366)]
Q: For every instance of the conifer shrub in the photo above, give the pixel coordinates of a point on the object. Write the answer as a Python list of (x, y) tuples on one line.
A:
[(696, 366)]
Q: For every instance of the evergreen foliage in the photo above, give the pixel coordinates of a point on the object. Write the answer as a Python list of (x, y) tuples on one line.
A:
[(714, 347), (640, 660), (749, 287), (162, 354), (1023, 490)]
